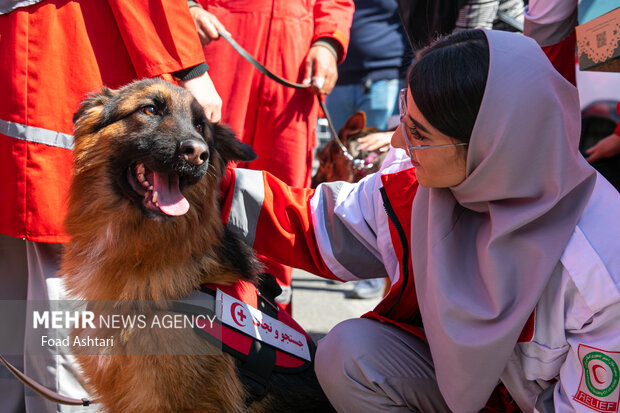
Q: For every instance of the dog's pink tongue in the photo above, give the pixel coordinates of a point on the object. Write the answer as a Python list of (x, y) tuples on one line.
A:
[(169, 197)]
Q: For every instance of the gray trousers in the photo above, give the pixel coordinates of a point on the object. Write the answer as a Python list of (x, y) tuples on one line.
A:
[(366, 366), (28, 272)]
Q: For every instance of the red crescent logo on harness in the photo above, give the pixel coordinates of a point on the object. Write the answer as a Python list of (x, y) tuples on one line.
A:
[(239, 315), (594, 369)]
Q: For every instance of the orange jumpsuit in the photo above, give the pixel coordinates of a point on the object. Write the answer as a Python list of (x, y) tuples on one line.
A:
[(53, 53)]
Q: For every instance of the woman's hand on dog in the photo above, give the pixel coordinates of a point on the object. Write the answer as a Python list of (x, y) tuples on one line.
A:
[(204, 91), (374, 141)]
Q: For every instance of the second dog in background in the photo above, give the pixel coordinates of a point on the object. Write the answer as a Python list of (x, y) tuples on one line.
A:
[(334, 165)]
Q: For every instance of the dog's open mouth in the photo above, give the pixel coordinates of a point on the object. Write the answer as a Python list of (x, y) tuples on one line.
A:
[(160, 192)]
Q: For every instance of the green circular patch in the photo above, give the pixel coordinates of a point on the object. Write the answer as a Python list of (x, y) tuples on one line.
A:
[(595, 355)]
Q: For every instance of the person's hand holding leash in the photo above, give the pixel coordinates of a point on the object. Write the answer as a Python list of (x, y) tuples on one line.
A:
[(207, 25), (321, 71), (204, 91)]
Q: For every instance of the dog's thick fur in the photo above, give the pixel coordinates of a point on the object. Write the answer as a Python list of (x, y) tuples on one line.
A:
[(125, 247), (334, 166)]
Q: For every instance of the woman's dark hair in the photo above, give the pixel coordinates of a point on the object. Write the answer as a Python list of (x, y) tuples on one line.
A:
[(447, 82)]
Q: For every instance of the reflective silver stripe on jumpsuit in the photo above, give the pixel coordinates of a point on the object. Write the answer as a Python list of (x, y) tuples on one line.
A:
[(7, 6), (37, 135)]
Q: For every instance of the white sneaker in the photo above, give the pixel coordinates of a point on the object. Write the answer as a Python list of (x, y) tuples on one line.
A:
[(371, 288)]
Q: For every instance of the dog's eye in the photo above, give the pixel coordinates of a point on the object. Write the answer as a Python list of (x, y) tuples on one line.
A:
[(149, 110), (199, 127)]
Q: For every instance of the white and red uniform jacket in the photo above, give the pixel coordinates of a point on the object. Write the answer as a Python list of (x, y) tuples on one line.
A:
[(356, 231)]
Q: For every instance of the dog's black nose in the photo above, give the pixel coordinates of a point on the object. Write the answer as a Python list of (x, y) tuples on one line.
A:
[(194, 151)]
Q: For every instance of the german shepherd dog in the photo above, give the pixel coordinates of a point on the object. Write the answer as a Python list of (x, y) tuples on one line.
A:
[(144, 220), (334, 166)]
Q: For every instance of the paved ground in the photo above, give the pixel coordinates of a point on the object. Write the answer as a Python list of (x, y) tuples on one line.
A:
[(319, 305)]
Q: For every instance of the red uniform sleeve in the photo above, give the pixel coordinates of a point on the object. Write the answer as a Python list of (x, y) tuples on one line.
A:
[(284, 230), (159, 35), (562, 56), (617, 130), (332, 18)]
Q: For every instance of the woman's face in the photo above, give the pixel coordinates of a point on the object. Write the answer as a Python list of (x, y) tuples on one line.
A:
[(435, 167)]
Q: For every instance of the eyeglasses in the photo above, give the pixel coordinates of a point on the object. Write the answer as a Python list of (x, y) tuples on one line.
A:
[(402, 107)]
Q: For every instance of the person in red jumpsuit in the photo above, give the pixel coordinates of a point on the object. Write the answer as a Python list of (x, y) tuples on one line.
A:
[(301, 41), (53, 53)]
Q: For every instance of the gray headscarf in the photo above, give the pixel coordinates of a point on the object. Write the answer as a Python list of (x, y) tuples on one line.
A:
[(483, 251)]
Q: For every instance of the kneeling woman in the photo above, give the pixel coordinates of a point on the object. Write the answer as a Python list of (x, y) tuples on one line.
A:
[(500, 240)]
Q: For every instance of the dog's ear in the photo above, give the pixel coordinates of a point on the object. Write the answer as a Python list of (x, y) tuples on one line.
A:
[(353, 125), (231, 148), (91, 115)]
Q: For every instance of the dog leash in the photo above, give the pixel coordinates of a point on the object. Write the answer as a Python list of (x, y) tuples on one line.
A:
[(44, 391), (358, 164)]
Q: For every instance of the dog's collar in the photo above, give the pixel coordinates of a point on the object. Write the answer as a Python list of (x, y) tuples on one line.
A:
[(361, 164), (364, 166)]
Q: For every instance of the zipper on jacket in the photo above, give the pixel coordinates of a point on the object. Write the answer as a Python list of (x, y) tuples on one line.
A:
[(403, 240)]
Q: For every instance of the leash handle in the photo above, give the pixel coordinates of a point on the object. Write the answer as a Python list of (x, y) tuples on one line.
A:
[(358, 164), (44, 391)]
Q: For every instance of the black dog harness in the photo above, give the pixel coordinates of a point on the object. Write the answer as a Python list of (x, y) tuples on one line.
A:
[(249, 326)]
